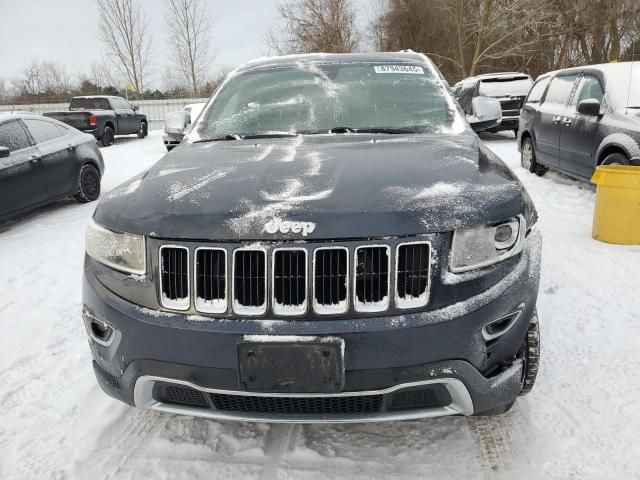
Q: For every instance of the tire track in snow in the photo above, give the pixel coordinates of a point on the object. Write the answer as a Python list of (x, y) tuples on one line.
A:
[(503, 447), (280, 439)]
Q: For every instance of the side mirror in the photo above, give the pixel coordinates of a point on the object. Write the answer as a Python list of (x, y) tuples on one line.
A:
[(177, 122), (487, 113), (4, 152), (136, 108), (589, 106)]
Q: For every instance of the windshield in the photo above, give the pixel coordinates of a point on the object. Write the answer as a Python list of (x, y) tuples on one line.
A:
[(314, 98), (508, 87), (623, 84), (89, 104), (634, 87)]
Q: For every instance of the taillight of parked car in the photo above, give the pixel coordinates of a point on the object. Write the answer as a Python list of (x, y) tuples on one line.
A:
[(93, 121)]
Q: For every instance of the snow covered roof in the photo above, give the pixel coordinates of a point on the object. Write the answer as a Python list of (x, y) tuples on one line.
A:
[(283, 60)]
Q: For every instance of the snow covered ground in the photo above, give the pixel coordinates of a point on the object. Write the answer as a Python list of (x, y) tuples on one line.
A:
[(581, 420)]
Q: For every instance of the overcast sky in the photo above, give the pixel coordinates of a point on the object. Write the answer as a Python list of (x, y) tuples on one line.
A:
[(66, 31)]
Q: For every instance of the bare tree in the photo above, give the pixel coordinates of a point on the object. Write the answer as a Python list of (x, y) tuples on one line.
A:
[(123, 30), (54, 78), (101, 75), (466, 37), (46, 77), (315, 26), (28, 82), (4, 88), (189, 27), (501, 29)]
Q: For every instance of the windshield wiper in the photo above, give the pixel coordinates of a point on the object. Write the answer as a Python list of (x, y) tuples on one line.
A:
[(382, 130), (247, 136), (390, 131)]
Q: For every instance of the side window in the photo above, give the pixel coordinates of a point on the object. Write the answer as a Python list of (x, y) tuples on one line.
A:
[(536, 92), (43, 131), (13, 136), (121, 104), (589, 87), (560, 89)]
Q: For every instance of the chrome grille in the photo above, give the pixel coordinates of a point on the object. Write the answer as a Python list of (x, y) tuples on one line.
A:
[(258, 280), (174, 277), (211, 280), (249, 281), (330, 287), (289, 285), (371, 275), (412, 274)]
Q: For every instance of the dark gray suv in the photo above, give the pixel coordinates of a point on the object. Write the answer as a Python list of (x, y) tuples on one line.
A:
[(576, 119), (509, 88), (330, 243)]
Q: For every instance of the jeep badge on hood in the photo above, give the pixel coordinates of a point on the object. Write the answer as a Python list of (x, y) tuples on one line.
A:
[(285, 226)]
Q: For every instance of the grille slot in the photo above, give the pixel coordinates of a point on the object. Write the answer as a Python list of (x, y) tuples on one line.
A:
[(211, 280), (330, 286), (180, 395), (249, 281), (371, 278), (298, 405), (431, 397), (289, 284), (413, 267), (174, 277)]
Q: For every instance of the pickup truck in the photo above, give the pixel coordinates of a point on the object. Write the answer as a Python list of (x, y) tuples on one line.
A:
[(104, 117)]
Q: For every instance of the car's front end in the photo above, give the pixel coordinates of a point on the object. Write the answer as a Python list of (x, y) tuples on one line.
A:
[(316, 278), (510, 90)]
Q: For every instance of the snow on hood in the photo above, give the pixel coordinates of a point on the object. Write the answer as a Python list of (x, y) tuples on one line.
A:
[(350, 186)]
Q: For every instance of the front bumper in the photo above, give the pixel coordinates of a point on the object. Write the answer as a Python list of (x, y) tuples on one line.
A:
[(382, 355), (508, 123), (172, 140)]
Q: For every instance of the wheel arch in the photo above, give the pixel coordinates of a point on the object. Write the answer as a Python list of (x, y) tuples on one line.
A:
[(617, 143), (526, 134), (88, 161)]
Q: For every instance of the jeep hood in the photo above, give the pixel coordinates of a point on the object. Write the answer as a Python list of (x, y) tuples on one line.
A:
[(350, 186)]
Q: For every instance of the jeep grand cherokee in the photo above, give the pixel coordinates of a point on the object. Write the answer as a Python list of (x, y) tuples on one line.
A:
[(332, 243)]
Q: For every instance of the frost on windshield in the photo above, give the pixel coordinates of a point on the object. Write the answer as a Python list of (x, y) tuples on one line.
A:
[(315, 97)]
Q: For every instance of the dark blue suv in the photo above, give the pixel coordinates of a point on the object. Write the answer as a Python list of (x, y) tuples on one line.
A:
[(331, 243)]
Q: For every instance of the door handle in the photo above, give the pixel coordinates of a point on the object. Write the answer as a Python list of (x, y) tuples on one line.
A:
[(566, 122), (34, 158), (555, 120), (70, 147)]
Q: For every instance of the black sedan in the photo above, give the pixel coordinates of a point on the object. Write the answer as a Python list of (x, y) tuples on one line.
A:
[(43, 160)]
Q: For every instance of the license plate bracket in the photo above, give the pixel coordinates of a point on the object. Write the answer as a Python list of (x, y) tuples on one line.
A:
[(266, 364)]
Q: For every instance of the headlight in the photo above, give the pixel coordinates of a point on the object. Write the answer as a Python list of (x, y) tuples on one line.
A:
[(479, 247), (120, 251)]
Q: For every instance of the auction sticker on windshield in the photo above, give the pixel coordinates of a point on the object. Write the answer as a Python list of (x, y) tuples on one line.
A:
[(398, 69)]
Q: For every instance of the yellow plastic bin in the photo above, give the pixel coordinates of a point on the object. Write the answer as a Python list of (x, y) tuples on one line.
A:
[(616, 218)]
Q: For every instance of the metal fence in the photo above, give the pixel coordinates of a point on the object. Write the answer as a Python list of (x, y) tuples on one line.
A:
[(154, 109)]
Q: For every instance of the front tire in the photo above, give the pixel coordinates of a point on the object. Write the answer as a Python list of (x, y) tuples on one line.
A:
[(528, 155), (528, 158), (615, 159), (143, 131), (88, 184), (530, 354), (107, 136)]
